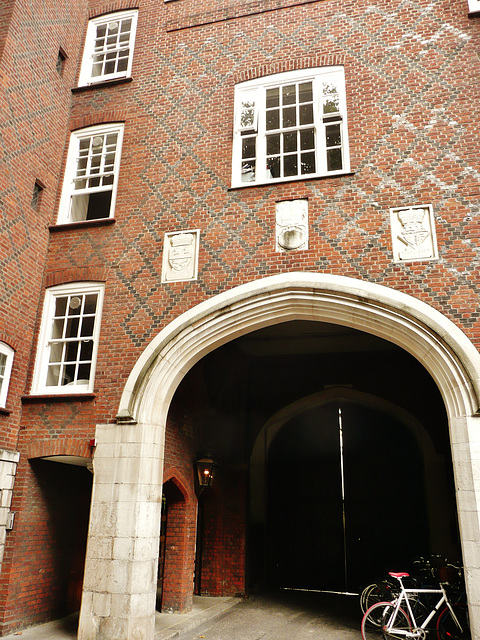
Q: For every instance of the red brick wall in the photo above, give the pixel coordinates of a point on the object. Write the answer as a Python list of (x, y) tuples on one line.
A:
[(223, 506), (34, 110), (50, 541), (177, 585), (176, 161), (181, 525), (414, 139)]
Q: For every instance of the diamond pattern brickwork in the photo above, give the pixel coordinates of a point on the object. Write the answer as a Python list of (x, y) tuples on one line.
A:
[(409, 70)]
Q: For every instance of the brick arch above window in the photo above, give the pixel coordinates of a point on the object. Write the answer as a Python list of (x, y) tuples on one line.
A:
[(9, 341), (112, 7), (296, 64), (92, 120), (76, 274), (64, 447)]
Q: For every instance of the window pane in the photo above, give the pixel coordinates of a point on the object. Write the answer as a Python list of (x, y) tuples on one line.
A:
[(290, 142), (289, 94), (75, 305), (99, 205), (56, 352), (306, 113), (334, 159), (78, 209), (90, 305), (125, 28), (3, 362), (82, 163), (111, 139), (289, 117), (290, 166), (248, 171), (308, 162), (71, 354), (307, 139), (123, 61), (57, 329), (273, 144), (247, 114), (84, 372), (333, 135), (273, 119), (87, 326), (86, 350), (109, 161), (273, 167), (53, 374), (61, 305), (272, 98), (305, 93), (248, 147), (331, 100), (72, 328), (101, 31), (94, 182), (110, 67), (69, 374)]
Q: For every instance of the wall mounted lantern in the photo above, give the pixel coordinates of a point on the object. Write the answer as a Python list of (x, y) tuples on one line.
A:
[(206, 470)]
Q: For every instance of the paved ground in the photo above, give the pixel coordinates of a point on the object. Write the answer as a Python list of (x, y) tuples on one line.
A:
[(285, 616), (288, 616)]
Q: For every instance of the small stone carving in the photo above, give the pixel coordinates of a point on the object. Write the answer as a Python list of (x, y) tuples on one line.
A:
[(291, 225), (180, 256), (413, 233)]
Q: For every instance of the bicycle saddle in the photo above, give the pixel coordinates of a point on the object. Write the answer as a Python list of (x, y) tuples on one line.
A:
[(398, 575)]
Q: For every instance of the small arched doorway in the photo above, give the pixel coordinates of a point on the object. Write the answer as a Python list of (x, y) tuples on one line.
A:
[(176, 547)]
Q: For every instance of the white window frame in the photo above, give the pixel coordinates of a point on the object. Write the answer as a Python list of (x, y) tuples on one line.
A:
[(73, 172), (7, 354), (474, 6), (254, 93), (46, 341), (86, 71)]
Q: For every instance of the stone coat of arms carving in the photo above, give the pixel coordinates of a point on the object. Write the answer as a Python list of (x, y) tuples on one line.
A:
[(413, 233), (291, 225), (180, 256)]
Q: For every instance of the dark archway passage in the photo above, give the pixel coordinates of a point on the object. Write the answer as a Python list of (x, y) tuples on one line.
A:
[(60, 521), (345, 483), (234, 391)]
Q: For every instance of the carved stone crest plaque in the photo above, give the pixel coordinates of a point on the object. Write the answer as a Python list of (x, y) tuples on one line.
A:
[(180, 256), (413, 233), (291, 225)]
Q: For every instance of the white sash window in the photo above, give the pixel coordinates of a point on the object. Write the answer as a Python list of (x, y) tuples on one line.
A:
[(108, 49), (290, 126), (91, 174), (68, 340)]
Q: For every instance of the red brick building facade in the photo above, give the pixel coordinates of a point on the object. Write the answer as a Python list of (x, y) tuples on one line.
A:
[(233, 227)]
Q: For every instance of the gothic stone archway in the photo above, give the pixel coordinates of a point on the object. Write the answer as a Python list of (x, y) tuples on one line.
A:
[(120, 576)]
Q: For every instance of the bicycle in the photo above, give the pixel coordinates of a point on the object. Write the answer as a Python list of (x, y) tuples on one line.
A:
[(426, 570), (396, 620)]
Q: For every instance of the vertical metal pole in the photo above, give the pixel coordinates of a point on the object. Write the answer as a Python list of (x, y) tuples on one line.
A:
[(342, 472)]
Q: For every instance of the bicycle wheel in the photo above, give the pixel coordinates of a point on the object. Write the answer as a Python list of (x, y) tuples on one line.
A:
[(376, 619), (447, 628), (364, 597), (383, 591)]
